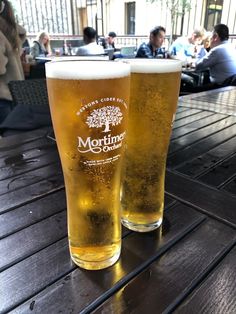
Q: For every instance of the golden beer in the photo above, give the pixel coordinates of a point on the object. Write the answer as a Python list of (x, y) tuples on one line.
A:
[(153, 100), (88, 103)]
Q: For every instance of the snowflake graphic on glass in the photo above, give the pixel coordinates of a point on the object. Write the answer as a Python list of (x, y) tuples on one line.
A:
[(105, 116)]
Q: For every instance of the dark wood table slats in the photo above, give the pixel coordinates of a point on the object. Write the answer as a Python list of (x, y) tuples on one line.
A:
[(196, 125), (204, 162), (23, 140), (33, 176), (27, 214), (179, 270), (26, 278), (189, 112), (150, 247), (222, 100), (187, 265), (206, 199), (30, 240), (212, 295), (186, 120), (221, 173), (231, 187), (188, 139), (27, 165), (180, 153), (30, 193)]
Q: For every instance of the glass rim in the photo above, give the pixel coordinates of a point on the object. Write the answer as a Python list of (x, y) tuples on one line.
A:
[(145, 65), (86, 69)]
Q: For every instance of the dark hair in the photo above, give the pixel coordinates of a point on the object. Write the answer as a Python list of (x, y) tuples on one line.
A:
[(90, 33), (8, 25), (112, 34), (156, 30), (222, 31)]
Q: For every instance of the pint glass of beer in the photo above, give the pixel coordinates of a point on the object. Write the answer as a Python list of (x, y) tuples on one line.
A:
[(88, 103), (153, 100)]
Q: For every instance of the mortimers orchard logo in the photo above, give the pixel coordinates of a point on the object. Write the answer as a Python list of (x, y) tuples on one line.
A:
[(104, 117)]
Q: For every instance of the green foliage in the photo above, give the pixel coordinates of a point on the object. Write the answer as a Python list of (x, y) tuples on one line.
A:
[(177, 7)]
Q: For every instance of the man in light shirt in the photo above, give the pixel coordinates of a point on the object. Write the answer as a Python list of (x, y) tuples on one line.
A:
[(91, 47), (184, 47), (221, 60)]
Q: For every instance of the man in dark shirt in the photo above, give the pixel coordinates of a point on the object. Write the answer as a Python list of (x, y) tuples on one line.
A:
[(109, 41), (153, 48)]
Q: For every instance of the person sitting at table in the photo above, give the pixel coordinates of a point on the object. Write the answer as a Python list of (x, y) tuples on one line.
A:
[(184, 47), (10, 62), (205, 46), (153, 49), (91, 47), (221, 60), (109, 41), (41, 47)]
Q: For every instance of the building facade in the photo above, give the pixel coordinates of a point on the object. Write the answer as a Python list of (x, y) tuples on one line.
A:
[(125, 17), (138, 17)]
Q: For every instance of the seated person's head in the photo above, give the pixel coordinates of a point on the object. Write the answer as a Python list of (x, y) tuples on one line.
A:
[(206, 41), (111, 38), (157, 36), (43, 38), (220, 33), (197, 36), (89, 35)]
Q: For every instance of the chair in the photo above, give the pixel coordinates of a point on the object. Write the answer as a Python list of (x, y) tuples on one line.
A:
[(30, 106), (56, 43), (37, 71), (74, 43), (30, 92), (110, 52), (230, 81), (128, 51)]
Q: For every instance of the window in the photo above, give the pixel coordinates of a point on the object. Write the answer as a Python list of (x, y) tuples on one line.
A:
[(130, 18), (91, 2), (213, 13)]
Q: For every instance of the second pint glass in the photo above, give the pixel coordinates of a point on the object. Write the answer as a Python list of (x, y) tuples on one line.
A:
[(153, 100), (88, 103)]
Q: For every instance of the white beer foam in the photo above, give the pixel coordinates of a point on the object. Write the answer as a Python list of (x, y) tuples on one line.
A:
[(154, 65), (86, 70)]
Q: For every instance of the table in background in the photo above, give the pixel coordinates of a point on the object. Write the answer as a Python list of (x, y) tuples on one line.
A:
[(200, 77), (73, 58), (187, 266)]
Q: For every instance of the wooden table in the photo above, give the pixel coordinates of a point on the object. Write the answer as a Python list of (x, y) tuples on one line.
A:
[(187, 266)]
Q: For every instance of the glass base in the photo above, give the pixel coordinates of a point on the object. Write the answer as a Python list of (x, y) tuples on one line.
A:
[(141, 227), (95, 265)]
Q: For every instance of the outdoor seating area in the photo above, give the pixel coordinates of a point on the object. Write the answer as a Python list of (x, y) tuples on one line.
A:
[(117, 157), (179, 266)]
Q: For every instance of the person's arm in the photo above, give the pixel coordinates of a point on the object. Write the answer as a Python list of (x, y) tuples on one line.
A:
[(207, 61), (144, 52), (34, 50), (201, 53)]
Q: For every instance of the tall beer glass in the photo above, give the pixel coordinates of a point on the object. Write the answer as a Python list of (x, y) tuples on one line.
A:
[(153, 100), (88, 103)]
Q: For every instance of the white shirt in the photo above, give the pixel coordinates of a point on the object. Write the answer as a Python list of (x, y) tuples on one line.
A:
[(90, 49)]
